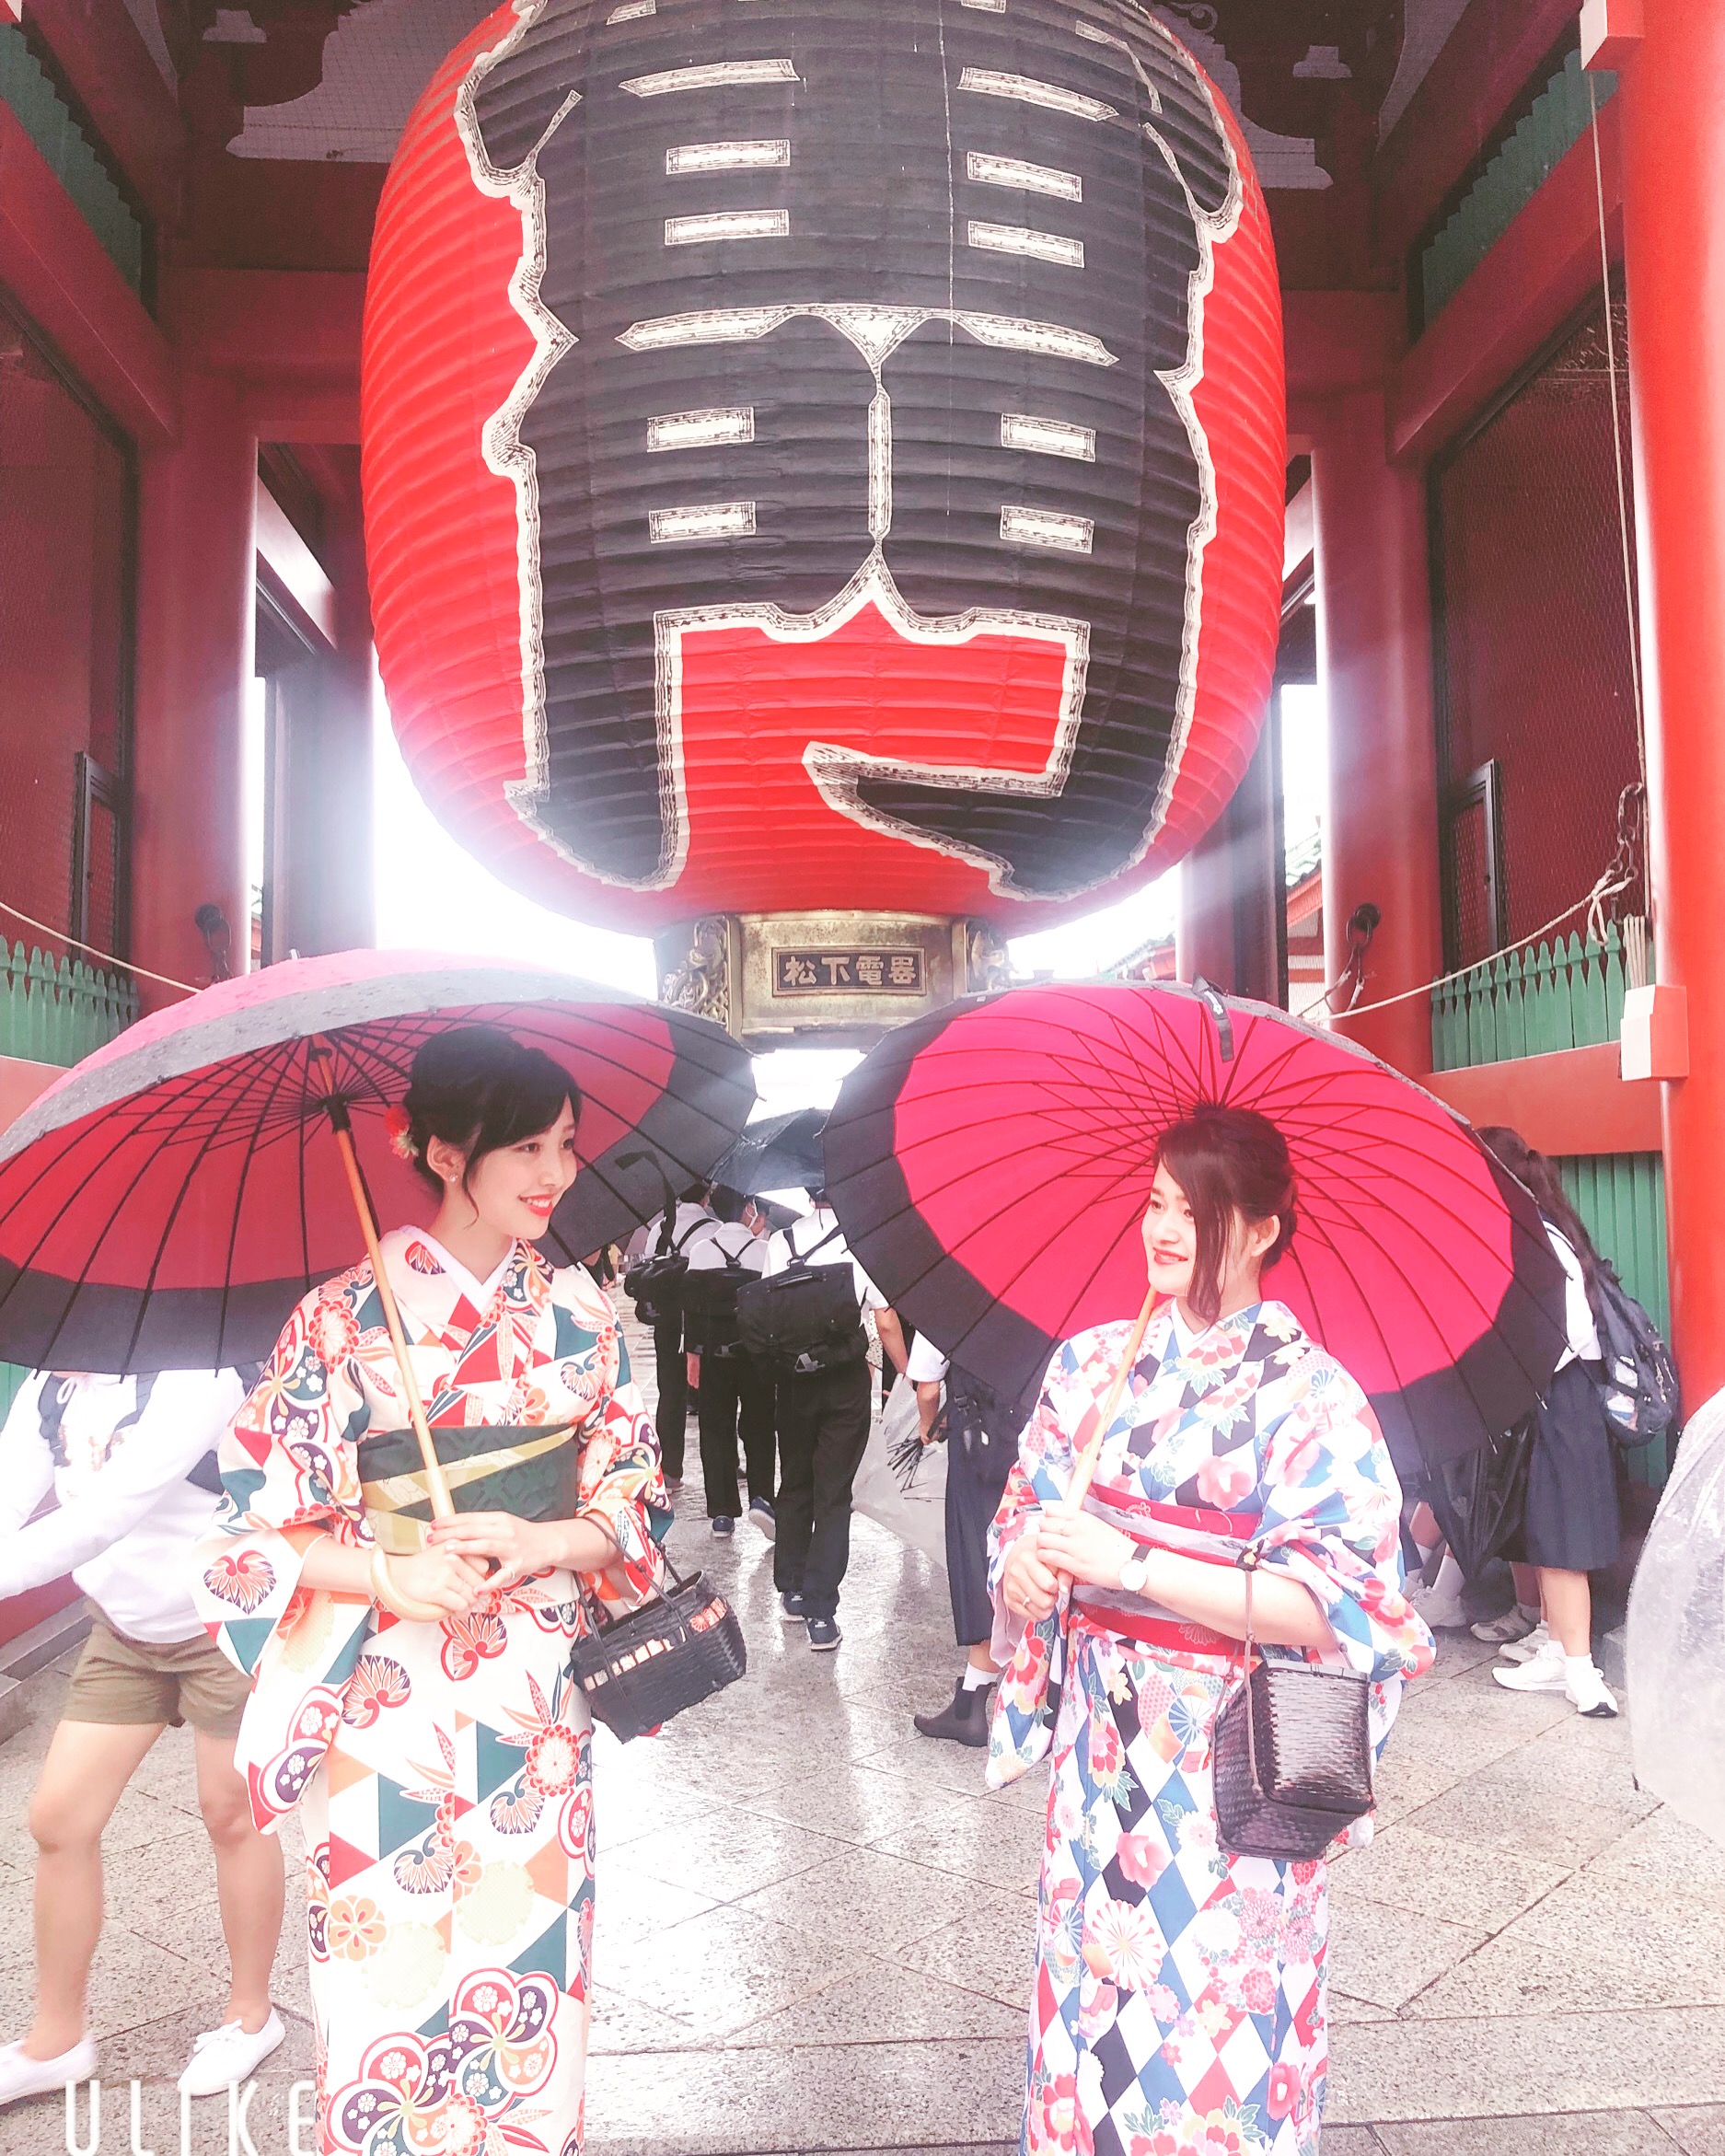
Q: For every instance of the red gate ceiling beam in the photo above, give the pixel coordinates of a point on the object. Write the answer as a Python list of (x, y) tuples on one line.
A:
[(102, 54), (1537, 275), (65, 281), (289, 338), (1487, 59)]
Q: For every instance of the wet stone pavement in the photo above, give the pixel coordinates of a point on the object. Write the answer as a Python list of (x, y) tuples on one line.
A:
[(815, 1927)]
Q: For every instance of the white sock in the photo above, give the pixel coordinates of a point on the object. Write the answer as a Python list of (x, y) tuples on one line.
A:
[(976, 1679), (1577, 1664), (1450, 1578)]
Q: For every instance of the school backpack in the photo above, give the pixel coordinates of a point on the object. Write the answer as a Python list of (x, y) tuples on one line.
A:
[(806, 1319), (1637, 1389), (656, 1281), (710, 1294)]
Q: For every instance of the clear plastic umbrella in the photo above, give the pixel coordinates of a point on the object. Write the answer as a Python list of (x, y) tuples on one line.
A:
[(1676, 1645)]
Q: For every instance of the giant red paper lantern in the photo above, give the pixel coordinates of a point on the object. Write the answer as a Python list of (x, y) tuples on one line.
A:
[(824, 453)]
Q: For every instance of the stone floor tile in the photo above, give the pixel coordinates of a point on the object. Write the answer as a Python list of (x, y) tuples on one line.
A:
[(883, 2005), (1387, 1956), (1661, 1861), (1700, 2132), (131, 1981), (854, 2097), (1577, 1951), (1495, 1809), (1402, 1783), (719, 1972), (1344, 2008), (933, 1767), (857, 1807), (1508, 2066), (1564, 2133), (630, 1906), (1351, 2140), (621, 2025), (721, 1857), (1456, 1882), (980, 1953), (879, 1903), (998, 1845)]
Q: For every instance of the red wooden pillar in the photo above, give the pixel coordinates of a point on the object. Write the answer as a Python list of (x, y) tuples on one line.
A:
[(196, 608), (1674, 190), (1374, 663)]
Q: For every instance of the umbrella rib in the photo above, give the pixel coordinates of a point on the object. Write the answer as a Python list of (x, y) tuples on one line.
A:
[(239, 1197)]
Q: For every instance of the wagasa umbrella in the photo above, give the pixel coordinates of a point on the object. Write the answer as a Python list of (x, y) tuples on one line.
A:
[(778, 1153), (166, 1202), (990, 1165)]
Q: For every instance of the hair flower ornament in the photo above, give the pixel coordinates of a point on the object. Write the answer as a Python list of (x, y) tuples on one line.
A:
[(399, 1126)]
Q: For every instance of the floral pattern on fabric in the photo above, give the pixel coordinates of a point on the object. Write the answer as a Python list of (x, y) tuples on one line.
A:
[(1179, 1998), (443, 1772)]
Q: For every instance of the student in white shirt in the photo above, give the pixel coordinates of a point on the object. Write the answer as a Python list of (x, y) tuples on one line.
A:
[(691, 1222), (734, 1392), (824, 1419), (131, 1462)]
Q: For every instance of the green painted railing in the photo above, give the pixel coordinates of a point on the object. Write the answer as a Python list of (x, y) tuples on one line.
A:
[(70, 154), (1621, 1200), (58, 1010), (1559, 116), (1567, 994)]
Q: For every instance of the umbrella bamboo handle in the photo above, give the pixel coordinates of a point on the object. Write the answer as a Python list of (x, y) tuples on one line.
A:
[(1084, 1468), (442, 1503)]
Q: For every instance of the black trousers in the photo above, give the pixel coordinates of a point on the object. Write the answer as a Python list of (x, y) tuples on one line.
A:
[(975, 1481), (671, 1421), (735, 1398), (823, 1433)]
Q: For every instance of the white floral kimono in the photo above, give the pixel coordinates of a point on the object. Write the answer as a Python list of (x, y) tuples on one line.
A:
[(442, 1771), (1179, 1999)]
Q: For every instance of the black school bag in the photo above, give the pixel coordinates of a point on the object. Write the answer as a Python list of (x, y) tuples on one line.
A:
[(1636, 1382), (656, 1281), (806, 1319), (710, 1294)]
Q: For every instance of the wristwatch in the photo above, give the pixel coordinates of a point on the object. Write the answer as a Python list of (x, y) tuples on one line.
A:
[(1135, 1574)]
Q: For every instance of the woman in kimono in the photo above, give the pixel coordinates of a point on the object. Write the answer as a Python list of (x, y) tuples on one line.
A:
[(1179, 2000), (442, 1770)]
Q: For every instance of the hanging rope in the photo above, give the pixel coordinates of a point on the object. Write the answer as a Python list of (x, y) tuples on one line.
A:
[(102, 958)]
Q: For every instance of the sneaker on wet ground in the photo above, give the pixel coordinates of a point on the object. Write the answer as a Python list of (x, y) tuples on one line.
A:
[(824, 1634), (1540, 1673), (1516, 1623), (761, 1513), (1589, 1692), (791, 1610), (230, 2055), (1532, 1643), (722, 1525)]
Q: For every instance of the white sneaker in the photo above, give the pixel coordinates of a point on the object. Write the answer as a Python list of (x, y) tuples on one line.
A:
[(1530, 1644), (1441, 1607), (1589, 1692), (1540, 1673), (229, 2055), (1515, 1624), (21, 2077)]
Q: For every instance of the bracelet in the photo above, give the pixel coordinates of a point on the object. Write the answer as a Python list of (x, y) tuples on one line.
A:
[(388, 1595)]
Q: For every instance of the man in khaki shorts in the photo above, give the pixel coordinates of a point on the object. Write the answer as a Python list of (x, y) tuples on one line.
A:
[(129, 1460)]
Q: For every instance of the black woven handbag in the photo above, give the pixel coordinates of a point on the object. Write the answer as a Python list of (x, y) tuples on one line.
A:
[(1291, 1755), (676, 1649)]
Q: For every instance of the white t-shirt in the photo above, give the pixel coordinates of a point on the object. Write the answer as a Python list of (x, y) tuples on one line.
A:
[(926, 1364), (127, 1516), (1578, 1312), (708, 1253), (691, 1222)]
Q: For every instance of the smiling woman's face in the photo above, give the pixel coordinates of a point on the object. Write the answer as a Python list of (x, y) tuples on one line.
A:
[(515, 1190), (1170, 1235)]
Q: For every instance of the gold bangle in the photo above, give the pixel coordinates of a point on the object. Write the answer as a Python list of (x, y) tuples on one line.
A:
[(389, 1596)]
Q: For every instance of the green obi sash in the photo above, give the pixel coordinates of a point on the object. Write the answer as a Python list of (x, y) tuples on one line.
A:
[(492, 1468)]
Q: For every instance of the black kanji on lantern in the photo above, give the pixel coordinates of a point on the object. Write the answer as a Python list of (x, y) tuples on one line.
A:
[(856, 298)]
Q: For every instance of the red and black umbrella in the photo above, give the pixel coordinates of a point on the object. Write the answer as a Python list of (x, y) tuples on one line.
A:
[(165, 1204), (990, 1166)]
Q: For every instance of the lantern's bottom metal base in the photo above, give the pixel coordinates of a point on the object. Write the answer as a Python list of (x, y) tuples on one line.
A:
[(831, 979)]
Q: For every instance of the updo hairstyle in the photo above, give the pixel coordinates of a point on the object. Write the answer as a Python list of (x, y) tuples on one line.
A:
[(479, 1088), (1228, 1161)]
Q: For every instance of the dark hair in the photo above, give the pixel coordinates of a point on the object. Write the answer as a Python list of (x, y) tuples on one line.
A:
[(1540, 1176), (725, 1203), (1228, 1161), (479, 1088)]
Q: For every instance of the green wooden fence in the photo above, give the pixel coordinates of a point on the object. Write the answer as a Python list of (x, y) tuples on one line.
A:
[(58, 1010), (1562, 995), (1621, 1200), (1559, 115)]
